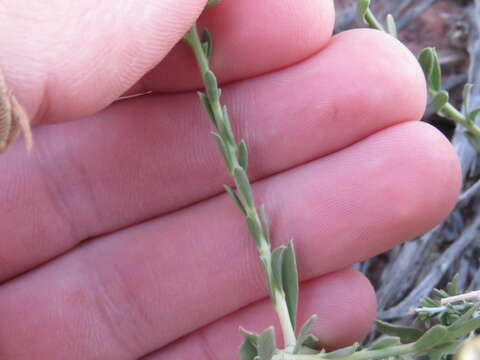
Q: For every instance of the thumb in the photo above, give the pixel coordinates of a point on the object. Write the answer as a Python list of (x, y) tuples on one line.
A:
[(65, 59)]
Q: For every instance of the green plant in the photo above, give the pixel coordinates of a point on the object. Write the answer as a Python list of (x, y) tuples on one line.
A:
[(279, 265), (429, 61)]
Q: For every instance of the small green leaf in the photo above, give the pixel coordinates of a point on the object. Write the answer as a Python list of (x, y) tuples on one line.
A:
[(235, 198), (362, 8), (249, 336), (290, 282), (211, 3), (243, 155), (207, 43), (226, 128), (466, 316), (243, 185), (266, 344), (440, 100), (341, 353), (265, 224), (441, 352), (391, 25), (247, 351), (462, 329), (277, 266), (403, 332), (425, 58), (311, 341), (436, 75), (254, 228), (428, 302), (223, 149), (428, 59), (431, 338), (211, 86), (440, 293), (385, 343), (266, 267), (207, 106), (452, 286), (304, 332), (472, 116), (467, 92)]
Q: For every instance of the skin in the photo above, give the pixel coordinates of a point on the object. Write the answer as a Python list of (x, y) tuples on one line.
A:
[(117, 241)]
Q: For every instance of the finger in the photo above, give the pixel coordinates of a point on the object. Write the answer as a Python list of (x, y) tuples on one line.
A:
[(250, 38), (339, 300), (65, 60), (128, 289), (110, 171)]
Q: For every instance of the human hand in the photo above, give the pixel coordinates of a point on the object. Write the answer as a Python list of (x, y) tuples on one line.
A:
[(168, 269)]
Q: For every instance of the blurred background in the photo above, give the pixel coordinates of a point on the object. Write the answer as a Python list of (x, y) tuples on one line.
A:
[(410, 271)]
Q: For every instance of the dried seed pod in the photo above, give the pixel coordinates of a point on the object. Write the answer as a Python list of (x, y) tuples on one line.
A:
[(13, 118)]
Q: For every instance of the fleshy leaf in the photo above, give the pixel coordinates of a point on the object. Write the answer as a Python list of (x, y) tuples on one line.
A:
[(455, 331), (265, 224), (247, 351), (290, 282), (254, 228), (467, 92), (207, 106), (211, 86), (243, 185), (266, 344), (428, 59), (277, 266), (391, 25), (403, 332), (304, 332), (472, 115), (235, 198), (431, 338), (250, 336), (362, 8), (243, 155), (207, 43), (385, 343), (440, 100), (224, 149), (452, 286), (347, 351)]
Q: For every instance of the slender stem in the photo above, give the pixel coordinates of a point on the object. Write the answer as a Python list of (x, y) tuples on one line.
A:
[(250, 211), (372, 21)]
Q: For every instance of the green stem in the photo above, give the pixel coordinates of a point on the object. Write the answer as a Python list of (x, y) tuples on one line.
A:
[(372, 21), (250, 211)]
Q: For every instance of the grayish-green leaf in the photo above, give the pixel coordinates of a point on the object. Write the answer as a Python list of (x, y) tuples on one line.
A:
[(440, 293), (303, 334), (211, 86), (344, 352), (207, 43), (266, 344), (250, 336), (362, 8), (243, 155), (223, 149), (457, 330), (235, 198), (385, 343), (391, 25), (266, 267), (436, 74), (211, 3), (290, 281), (243, 185), (431, 338), (472, 116), (311, 341), (467, 92), (277, 266), (428, 59), (452, 286), (403, 332), (207, 107), (428, 302), (247, 351), (440, 100), (265, 223), (226, 128), (466, 316), (254, 228), (440, 352), (425, 58)]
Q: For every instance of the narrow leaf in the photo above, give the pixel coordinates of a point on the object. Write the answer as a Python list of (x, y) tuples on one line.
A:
[(265, 224), (436, 75), (362, 8), (311, 341), (403, 332), (440, 100), (304, 332), (440, 293), (223, 149), (207, 107), (466, 316), (254, 228), (290, 282), (211, 86), (250, 336), (243, 155), (431, 338), (425, 58), (207, 43), (277, 266), (472, 116), (247, 351), (341, 353), (391, 25), (243, 185), (235, 198), (452, 286), (467, 92), (227, 127), (455, 331), (385, 343), (266, 344)]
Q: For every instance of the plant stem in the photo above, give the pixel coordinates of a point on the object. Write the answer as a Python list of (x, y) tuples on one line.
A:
[(231, 150)]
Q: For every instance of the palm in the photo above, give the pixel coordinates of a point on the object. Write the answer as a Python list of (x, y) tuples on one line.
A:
[(116, 238)]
